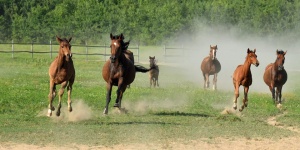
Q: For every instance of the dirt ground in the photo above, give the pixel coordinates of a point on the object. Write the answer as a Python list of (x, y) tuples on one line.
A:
[(291, 143)]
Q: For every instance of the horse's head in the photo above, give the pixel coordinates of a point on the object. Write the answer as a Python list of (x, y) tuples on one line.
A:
[(64, 47), (252, 57), (116, 47), (213, 52), (152, 61), (280, 59)]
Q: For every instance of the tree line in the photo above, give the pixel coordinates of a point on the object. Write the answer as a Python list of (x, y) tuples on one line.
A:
[(146, 21)]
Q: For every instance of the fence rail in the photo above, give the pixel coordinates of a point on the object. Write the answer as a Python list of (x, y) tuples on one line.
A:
[(80, 50)]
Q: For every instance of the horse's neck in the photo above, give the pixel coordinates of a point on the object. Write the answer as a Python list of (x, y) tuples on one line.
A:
[(60, 61), (246, 67)]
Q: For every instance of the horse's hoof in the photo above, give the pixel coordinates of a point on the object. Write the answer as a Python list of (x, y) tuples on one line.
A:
[(58, 113), (70, 109), (117, 105), (49, 113), (52, 108), (105, 112), (234, 107)]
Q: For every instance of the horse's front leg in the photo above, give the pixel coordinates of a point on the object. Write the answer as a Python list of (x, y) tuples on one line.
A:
[(69, 88), (245, 100), (119, 92), (278, 94), (108, 97), (60, 94), (215, 81), (236, 94), (51, 96), (206, 79)]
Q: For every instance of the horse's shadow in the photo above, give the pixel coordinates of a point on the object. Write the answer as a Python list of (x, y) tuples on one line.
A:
[(177, 113)]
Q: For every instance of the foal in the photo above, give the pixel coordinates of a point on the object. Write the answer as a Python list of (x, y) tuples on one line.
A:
[(275, 76), (62, 72), (242, 76), (211, 66), (153, 74)]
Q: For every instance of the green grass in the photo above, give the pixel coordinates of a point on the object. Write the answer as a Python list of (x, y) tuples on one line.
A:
[(178, 110)]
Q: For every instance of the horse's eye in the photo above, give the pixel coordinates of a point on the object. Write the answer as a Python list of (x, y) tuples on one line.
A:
[(62, 46)]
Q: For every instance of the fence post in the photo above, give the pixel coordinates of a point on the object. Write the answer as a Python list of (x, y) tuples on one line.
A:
[(165, 53), (86, 51), (138, 53), (104, 51), (50, 49), (31, 49), (12, 48)]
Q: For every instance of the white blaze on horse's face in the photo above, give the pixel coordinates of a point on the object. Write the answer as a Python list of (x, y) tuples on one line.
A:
[(115, 51), (213, 52)]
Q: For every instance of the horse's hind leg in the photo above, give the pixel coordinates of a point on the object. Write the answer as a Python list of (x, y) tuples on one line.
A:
[(60, 94), (245, 100), (51, 96)]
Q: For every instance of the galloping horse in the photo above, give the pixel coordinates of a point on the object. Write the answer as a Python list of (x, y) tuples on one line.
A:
[(62, 72), (275, 76), (211, 66), (242, 76), (153, 74), (119, 71)]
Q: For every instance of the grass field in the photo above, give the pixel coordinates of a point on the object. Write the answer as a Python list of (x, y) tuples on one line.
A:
[(179, 110)]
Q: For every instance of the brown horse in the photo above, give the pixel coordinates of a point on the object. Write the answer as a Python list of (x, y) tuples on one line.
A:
[(153, 74), (242, 76), (211, 66), (119, 71), (275, 76), (62, 72)]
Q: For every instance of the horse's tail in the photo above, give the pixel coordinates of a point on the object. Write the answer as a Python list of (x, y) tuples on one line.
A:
[(142, 69)]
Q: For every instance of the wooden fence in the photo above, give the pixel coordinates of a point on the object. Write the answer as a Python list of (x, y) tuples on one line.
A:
[(89, 51), (173, 53)]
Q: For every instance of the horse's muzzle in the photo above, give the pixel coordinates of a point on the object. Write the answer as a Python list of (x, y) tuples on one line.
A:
[(280, 67), (113, 59), (256, 64), (68, 56)]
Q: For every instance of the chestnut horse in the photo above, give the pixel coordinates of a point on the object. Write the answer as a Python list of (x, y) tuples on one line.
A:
[(119, 71), (62, 72), (211, 66), (153, 74), (275, 76), (242, 76)]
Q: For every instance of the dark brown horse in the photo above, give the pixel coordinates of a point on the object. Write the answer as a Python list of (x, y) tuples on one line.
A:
[(62, 72), (153, 73), (275, 76), (242, 76), (119, 71), (211, 66)]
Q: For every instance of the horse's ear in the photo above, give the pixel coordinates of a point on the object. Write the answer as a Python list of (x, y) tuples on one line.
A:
[(153, 57), (277, 51), (122, 36), (248, 50), (284, 53), (149, 57), (111, 36), (70, 39), (254, 50), (58, 39)]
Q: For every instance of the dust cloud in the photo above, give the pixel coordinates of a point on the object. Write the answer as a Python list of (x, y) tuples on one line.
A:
[(80, 112), (232, 50)]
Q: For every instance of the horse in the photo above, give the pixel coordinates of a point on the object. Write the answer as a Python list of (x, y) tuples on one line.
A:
[(242, 76), (153, 74), (211, 66), (61, 71), (275, 76), (119, 71)]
